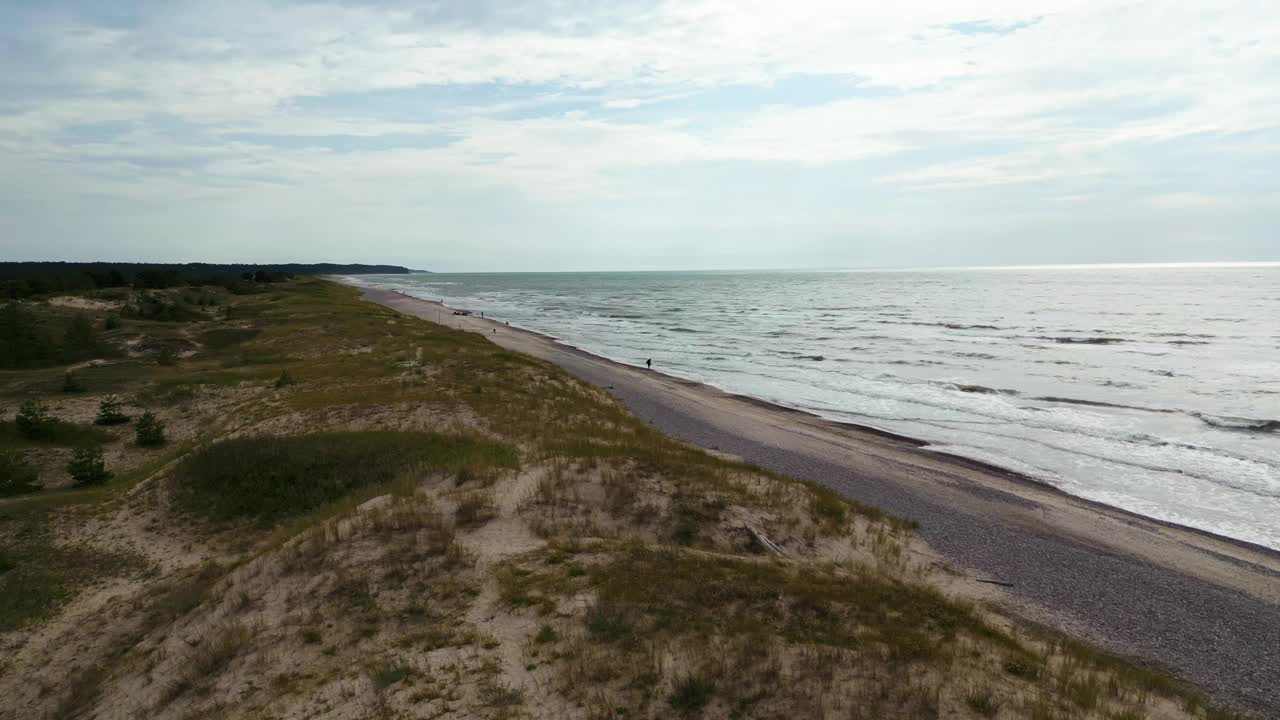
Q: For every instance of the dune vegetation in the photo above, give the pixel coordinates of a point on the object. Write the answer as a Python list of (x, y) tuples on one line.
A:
[(351, 513)]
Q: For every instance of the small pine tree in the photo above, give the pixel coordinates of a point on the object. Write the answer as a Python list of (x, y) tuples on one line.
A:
[(34, 421), (111, 322), (149, 432), (87, 466), (285, 380), (17, 476), (79, 341), (167, 357), (24, 342), (109, 412), (71, 383)]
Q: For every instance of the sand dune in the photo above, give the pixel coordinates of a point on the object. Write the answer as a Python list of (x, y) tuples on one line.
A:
[(1206, 608)]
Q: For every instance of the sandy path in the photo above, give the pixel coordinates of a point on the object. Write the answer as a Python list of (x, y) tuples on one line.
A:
[(1205, 608)]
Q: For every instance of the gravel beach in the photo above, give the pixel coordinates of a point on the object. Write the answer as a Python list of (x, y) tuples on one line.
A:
[(1205, 608)]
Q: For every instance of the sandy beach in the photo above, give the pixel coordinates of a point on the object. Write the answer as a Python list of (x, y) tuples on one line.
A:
[(1203, 607)]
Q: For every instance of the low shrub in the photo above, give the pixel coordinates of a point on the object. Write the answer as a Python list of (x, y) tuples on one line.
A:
[(166, 394), (609, 622), (17, 476), (546, 634), (150, 431), (79, 341), (1025, 667), (269, 478), (222, 338), (475, 508), (388, 675), (162, 307), (500, 695), (692, 693), (71, 383), (167, 357), (35, 422), (109, 412), (87, 467)]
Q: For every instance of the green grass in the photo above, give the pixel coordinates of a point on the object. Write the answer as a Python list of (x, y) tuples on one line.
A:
[(388, 675), (267, 478), (982, 701), (223, 338), (62, 434), (166, 394), (654, 591), (84, 687), (546, 633), (113, 377), (609, 621), (1024, 666), (182, 595), (40, 576), (1084, 691), (495, 694), (216, 651)]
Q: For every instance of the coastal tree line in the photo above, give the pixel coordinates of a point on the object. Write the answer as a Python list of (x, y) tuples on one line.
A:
[(32, 338), (33, 279)]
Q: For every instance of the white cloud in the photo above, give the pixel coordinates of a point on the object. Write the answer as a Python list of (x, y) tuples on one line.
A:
[(622, 103)]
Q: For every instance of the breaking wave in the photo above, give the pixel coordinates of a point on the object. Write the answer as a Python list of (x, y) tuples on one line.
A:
[(1227, 422), (1068, 340)]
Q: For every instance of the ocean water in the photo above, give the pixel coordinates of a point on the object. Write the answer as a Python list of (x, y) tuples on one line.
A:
[(1151, 388)]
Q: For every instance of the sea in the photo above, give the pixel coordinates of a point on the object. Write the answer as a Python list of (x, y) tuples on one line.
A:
[(1152, 388)]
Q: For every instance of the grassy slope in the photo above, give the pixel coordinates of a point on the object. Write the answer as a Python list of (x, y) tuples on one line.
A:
[(539, 552)]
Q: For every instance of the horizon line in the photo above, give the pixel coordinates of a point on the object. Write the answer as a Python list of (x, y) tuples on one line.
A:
[(893, 268)]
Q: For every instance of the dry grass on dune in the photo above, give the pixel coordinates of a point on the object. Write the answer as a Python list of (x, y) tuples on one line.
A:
[(365, 515)]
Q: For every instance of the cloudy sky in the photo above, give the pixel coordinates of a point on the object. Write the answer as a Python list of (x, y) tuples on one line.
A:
[(640, 134)]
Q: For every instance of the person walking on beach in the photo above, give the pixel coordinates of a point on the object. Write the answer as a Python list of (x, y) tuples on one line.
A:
[(649, 363)]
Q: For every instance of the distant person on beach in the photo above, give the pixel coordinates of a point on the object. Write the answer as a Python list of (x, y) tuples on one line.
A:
[(649, 363)]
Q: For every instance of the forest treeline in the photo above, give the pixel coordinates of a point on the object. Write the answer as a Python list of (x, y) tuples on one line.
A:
[(31, 279)]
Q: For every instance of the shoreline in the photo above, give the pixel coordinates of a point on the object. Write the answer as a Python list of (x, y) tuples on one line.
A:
[(1011, 475), (1202, 606), (991, 468)]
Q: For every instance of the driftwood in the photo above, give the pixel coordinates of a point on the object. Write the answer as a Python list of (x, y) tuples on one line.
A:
[(768, 544), (1002, 583)]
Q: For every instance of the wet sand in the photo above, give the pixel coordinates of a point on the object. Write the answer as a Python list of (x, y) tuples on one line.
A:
[(1203, 607)]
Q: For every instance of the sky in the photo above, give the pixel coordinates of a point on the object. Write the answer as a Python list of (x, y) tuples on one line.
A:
[(640, 134)]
